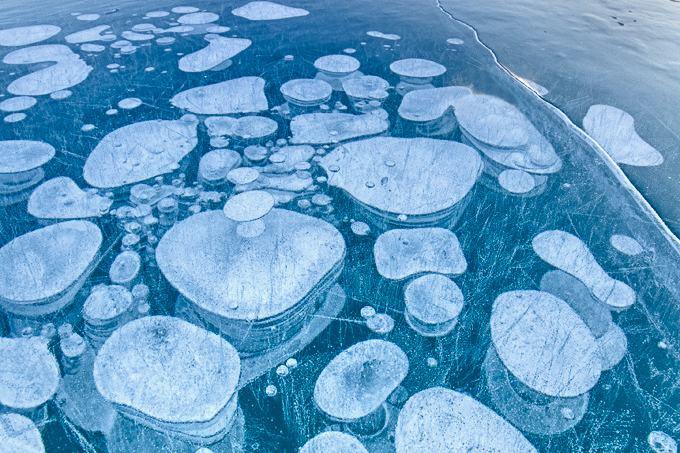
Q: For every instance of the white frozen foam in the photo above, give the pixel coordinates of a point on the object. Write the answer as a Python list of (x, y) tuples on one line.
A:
[(19, 434), (442, 420), (248, 206), (626, 245), (570, 254), (61, 198), (544, 343), (157, 14), (61, 94)]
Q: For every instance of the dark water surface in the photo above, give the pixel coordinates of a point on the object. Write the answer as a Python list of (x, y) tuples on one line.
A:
[(621, 53)]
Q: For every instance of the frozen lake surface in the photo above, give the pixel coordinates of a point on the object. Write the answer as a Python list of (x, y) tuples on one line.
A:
[(317, 227)]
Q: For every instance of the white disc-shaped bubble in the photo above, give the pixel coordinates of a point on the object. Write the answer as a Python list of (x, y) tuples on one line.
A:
[(360, 228), (379, 34), (143, 27), (15, 117), (88, 17), (184, 9), (359, 379), (263, 10), (251, 229), (626, 245), (198, 18), (165, 41), (337, 64), (157, 14), (129, 103), (22, 36), (249, 206), (333, 442), (17, 104), (243, 175), (516, 181), (662, 442), (61, 94), (217, 29), (92, 47), (19, 434), (30, 373), (417, 67)]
